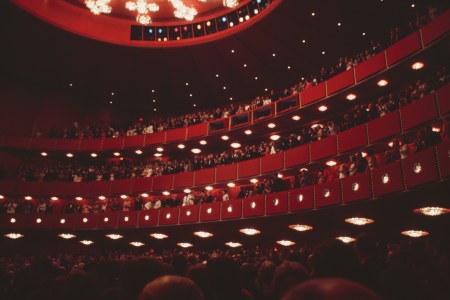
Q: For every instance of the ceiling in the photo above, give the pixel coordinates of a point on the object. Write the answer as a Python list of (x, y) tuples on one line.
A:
[(39, 54)]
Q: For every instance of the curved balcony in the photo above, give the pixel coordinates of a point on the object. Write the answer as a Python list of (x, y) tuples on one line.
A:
[(380, 63)]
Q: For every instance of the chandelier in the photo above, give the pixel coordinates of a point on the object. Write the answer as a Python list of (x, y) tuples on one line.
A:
[(143, 8)]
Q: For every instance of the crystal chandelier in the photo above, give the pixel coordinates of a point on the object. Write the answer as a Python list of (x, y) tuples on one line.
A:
[(145, 7), (98, 6)]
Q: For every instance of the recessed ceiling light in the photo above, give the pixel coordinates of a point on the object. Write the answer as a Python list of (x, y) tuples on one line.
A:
[(224, 88), (274, 54), (160, 149), (296, 118), (123, 196), (28, 198), (186, 191), (181, 146), (235, 145), (363, 33), (145, 195), (271, 125), (346, 239), (196, 151), (112, 94), (185, 245), (203, 142), (114, 236), (274, 137), (351, 97), (44, 154), (101, 197), (233, 244), (166, 193), (232, 50), (66, 236), (415, 233), (289, 67), (159, 236), (417, 65), (382, 82), (157, 154), (78, 198), (217, 75), (54, 198), (249, 231), (248, 132), (322, 108), (70, 84), (93, 154), (432, 211), (253, 180), (286, 243), (231, 184), (116, 153), (323, 52), (154, 109), (203, 234), (209, 188), (245, 65), (359, 221), (300, 227), (137, 244), (138, 152), (225, 137), (14, 236), (69, 155), (187, 83), (331, 163), (339, 24), (110, 102), (231, 98), (413, 5), (86, 242), (303, 41), (2, 197), (313, 14)]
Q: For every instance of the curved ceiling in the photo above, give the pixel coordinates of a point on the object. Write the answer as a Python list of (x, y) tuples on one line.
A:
[(293, 41)]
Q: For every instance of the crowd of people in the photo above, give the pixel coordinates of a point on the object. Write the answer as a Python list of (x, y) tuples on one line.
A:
[(103, 130), (366, 269), (126, 169)]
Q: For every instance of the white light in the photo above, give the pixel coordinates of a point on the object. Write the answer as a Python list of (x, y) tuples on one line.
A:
[(38, 220), (98, 7), (217, 75), (78, 198), (300, 198), (274, 54), (289, 67), (28, 198), (385, 178), (231, 184), (331, 163), (145, 195), (276, 202), (188, 213), (209, 210), (249, 231), (12, 220), (203, 142), (359, 221), (168, 215), (417, 65), (235, 145), (230, 208), (160, 149), (363, 33), (301, 228), (355, 186), (351, 97), (253, 205), (323, 52), (102, 197), (86, 242), (346, 239), (143, 8), (44, 154), (157, 154), (225, 137), (85, 220), (14, 236), (271, 125), (185, 245), (123, 196), (435, 128), (382, 82), (415, 233), (432, 211), (326, 193), (256, 77), (69, 155), (303, 41), (322, 108), (67, 236), (417, 168), (62, 221), (339, 24), (233, 244), (313, 14), (147, 217), (138, 152), (93, 154), (248, 132), (253, 180), (279, 175), (296, 118), (126, 219), (2, 197), (166, 193), (54, 198), (186, 191), (106, 219), (203, 234), (114, 236), (159, 236), (413, 5), (181, 146), (209, 188), (137, 244), (116, 153), (286, 243), (196, 151), (275, 137)]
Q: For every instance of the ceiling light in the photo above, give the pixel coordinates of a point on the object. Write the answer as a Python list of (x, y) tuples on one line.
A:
[(93, 154), (44, 154), (300, 228), (106, 219), (346, 239), (274, 54), (12, 220), (116, 153), (256, 78), (14, 236), (245, 65), (160, 149), (363, 33), (166, 193), (431, 211), (279, 175), (323, 52), (249, 231), (78, 198), (98, 7), (286, 243), (54, 198), (235, 145), (331, 163), (101, 197), (248, 132), (85, 220), (274, 137), (2, 197), (138, 152), (157, 154), (28, 198), (38, 220), (196, 151), (67, 236), (351, 97), (69, 155), (86, 242), (203, 234), (296, 118), (289, 67), (137, 244), (339, 24), (145, 195), (209, 188), (322, 108), (271, 125), (303, 41), (225, 137), (435, 128), (217, 75), (203, 142), (417, 65), (382, 82), (159, 236), (143, 8), (185, 245), (123, 196), (359, 221), (186, 191), (415, 233), (254, 180), (181, 146), (114, 236), (231, 184), (233, 244), (313, 14)]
